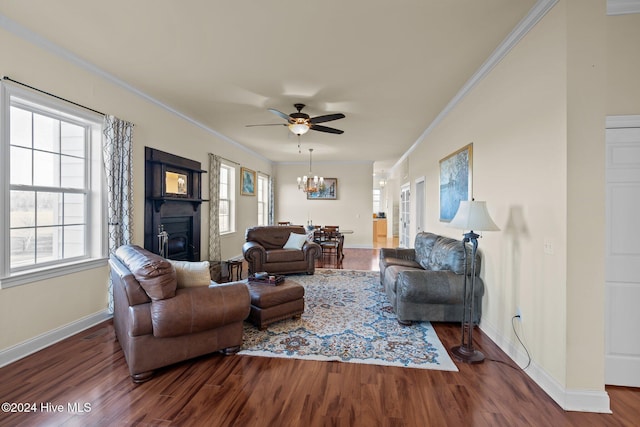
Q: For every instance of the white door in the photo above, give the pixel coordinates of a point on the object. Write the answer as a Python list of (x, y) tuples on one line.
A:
[(622, 268), (405, 218), (420, 205)]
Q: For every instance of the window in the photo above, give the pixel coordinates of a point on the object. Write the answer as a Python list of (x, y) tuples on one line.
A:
[(51, 177), (227, 199), (376, 200), (263, 199)]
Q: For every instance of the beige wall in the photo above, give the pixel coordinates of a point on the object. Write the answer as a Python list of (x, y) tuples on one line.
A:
[(537, 125), (351, 211), (515, 119), (623, 64), (586, 114), (41, 307)]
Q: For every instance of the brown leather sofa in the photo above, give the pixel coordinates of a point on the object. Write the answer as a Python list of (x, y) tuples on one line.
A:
[(158, 324), (264, 251)]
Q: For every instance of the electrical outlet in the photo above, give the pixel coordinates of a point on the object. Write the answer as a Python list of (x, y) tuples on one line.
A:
[(519, 314)]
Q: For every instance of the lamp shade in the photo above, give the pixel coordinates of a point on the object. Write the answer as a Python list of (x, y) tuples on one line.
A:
[(299, 128), (473, 216)]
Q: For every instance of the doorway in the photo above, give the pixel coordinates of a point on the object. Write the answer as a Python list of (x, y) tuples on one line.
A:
[(405, 216), (622, 254), (420, 204)]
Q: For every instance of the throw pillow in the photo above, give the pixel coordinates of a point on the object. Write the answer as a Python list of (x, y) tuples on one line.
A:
[(192, 274), (295, 241)]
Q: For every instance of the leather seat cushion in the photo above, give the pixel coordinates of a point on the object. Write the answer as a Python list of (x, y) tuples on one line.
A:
[(284, 255)]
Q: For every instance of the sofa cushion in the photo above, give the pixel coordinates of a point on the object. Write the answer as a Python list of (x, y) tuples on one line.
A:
[(448, 254), (190, 274), (423, 246), (295, 241), (155, 274), (285, 255)]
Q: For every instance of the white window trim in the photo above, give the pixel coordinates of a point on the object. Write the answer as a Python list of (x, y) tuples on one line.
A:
[(265, 177), (232, 198), (96, 211)]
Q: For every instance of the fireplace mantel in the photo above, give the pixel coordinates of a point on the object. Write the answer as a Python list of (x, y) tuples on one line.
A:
[(173, 196)]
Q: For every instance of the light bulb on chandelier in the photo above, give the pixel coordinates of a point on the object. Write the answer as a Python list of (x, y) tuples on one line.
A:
[(308, 184)]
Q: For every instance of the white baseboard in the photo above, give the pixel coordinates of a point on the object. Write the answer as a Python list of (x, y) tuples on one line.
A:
[(17, 352), (570, 400), (359, 246)]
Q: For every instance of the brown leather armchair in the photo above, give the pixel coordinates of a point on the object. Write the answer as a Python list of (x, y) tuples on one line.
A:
[(158, 324), (264, 251)]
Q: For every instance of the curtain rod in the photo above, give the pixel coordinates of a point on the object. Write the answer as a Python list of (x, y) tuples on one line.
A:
[(229, 160), (50, 94), (236, 163)]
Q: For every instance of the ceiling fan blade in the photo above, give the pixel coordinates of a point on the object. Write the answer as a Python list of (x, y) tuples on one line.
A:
[(326, 118), (267, 124), (279, 114), (327, 129)]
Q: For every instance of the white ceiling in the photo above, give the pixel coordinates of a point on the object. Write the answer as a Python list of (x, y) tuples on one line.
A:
[(389, 66)]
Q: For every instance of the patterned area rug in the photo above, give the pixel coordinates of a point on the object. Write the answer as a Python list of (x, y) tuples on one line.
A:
[(348, 318)]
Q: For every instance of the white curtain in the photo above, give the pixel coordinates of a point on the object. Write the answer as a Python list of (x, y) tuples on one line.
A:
[(214, 206), (117, 148)]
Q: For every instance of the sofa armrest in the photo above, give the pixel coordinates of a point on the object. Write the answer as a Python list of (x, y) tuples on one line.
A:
[(400, 253), (434, 287), (199, 309), (311, 250), (255, 254)]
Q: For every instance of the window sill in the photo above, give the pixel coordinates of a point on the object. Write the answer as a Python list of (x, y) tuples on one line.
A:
[(51, 272)]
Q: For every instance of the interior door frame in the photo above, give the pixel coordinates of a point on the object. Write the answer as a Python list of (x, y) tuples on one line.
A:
[(621, 362), (405, 215), (421, 204)]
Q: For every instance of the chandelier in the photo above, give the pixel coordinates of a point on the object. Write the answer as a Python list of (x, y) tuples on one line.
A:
[(311, 183)]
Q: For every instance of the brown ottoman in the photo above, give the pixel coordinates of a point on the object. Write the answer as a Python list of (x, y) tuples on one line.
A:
[(271, 303)]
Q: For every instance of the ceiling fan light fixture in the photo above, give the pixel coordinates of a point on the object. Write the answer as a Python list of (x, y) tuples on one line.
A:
[(299, 128)]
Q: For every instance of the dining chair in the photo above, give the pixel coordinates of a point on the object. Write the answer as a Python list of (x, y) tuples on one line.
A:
[(331, 243)]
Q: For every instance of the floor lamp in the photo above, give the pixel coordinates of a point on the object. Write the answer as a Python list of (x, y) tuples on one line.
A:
[(471, 216)]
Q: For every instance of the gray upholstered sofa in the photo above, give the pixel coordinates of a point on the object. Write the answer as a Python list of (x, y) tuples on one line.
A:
[(427, 282)]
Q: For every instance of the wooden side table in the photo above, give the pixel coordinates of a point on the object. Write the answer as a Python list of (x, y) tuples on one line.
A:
[(234, 265)]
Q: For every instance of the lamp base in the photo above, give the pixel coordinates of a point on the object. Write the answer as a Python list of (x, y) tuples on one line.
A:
[(467, 355)]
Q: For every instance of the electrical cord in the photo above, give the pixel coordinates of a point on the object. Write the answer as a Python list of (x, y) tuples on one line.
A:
[(521, 343), (517, 316)]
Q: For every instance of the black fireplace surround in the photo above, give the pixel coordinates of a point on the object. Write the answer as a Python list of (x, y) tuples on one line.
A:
[(173, 199)]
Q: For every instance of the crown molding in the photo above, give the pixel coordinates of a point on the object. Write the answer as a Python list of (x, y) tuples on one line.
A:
[(47, 45), (537, 12), (623, 7), (326, 162)]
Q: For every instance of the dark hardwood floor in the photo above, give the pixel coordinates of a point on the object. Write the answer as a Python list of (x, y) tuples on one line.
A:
[(84, 381)]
